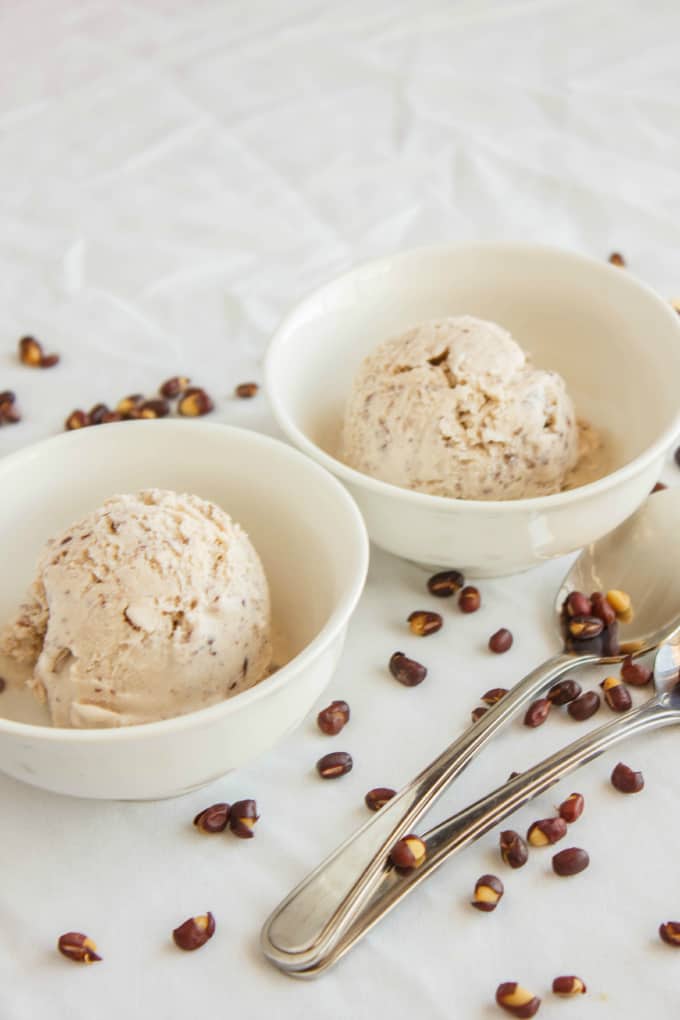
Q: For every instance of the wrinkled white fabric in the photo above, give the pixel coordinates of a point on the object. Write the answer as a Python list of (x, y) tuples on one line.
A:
[(172, 177)]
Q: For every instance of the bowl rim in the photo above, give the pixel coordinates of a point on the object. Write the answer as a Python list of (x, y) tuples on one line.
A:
[(450, 504), (335, 623)]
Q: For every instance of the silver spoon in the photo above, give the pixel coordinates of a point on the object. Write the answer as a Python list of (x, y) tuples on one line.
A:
[(637, 557), (468, 825)]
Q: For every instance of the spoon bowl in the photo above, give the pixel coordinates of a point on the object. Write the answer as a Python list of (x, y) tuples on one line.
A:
[(639, 558)]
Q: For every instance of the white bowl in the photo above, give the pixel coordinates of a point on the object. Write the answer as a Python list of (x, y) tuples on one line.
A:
[(310, 537), (615, 342)]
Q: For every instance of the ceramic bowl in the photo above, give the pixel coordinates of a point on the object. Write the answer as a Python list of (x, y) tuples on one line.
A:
[(312, 542), (615, 342)]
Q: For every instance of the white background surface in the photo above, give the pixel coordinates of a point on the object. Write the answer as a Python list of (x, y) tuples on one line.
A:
[(172, 176)]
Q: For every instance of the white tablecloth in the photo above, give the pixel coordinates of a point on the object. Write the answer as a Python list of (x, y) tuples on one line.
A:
[(172, 176)]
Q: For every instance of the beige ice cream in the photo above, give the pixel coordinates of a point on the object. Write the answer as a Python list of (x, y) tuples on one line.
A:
[(455, 408), (154, 605)]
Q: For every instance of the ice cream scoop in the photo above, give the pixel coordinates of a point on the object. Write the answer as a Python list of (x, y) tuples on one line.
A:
[(154, 605), (454, 407)]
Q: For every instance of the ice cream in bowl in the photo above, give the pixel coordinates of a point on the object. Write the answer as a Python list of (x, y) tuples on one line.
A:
[(178, 595), (488, 405), (153, 605)]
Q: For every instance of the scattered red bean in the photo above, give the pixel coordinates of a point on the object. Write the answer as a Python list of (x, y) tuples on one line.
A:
[(8, 410), (488, 893), (408, 853), (156, 408), (584, 706), (246, 390), (194, 932), (194, 403), (334, 765), (493, 696), (572, 808), (407, 671), (446, 583), (175, 386), (571, 861), (577, 604), (568, 986), (546, 831), (78, 947), (423, 622), (635, 673), (616, 694), (514, 849), (501, 641), (669, 931), (378, 797), (213, 819), (469, 599), (242, 818), (31, 354), (76, 420), (129, 406), (517, 1000), (625, 780), (96, 414), (333, 718), (584, 628), (537, 713), (564, 692), (602, 609)]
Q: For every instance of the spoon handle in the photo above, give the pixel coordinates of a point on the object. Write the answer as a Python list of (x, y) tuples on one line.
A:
[(314, 914), (457, 832)]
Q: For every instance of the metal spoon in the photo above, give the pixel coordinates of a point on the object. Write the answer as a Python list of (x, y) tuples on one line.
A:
[(468, 825), (636, 557)]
